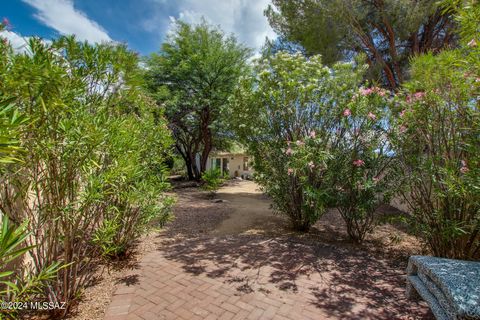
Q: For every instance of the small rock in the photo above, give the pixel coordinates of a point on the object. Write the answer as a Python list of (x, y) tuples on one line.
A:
[(219, 201)]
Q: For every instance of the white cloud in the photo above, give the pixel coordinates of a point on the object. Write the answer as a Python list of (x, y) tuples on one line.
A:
[(244, 18), (62, 16), (18, 42)]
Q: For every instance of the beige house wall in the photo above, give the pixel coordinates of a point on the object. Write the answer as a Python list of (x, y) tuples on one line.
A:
[(235, 164)]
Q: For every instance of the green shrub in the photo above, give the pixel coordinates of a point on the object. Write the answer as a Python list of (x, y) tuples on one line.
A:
[(288, 112), (437, 142), (25, 284), (361, 175), (94, 148), (212, 179), (10, 121)]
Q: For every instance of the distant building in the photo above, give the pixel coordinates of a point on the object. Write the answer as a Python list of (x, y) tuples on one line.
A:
[(234, 163)]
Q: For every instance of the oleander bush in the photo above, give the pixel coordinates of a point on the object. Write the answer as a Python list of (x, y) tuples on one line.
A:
[(20, 284), (91, 175), (437, 143), (292, 118), (361, 175)]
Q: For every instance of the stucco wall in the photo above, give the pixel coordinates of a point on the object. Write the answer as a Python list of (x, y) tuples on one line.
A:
[(235, 164)]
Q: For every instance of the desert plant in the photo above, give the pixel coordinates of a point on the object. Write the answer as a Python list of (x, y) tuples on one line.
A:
[(212, 179)]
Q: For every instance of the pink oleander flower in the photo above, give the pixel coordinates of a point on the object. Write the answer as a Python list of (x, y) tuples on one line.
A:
[(372, 116), (472, 43), (402, 114), (358, 162), (419, 95), (312, 134), (289, 152), (408, 98), (464, 169), (464, 163), (290, 171), (402, 129), (311, 165), (300, 143), (381, 92), (366, 92), (347, 112)]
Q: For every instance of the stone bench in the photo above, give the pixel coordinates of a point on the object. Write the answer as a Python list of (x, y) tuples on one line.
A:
[(450, 287)]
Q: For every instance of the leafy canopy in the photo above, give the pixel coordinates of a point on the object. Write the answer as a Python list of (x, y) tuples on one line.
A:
[(388, 32), (193, 76)]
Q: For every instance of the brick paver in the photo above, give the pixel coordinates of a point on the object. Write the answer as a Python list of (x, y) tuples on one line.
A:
[(202, 276), (249, 277)]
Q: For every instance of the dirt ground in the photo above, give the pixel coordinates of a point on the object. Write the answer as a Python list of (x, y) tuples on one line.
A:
[(237, 240)]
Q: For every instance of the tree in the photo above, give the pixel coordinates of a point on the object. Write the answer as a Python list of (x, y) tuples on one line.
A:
[(193, 76), (388, 32)]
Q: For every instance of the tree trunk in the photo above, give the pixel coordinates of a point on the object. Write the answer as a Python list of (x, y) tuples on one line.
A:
[(196, 172), (206, 138), (187, 158), (205, 153), (188, 164)]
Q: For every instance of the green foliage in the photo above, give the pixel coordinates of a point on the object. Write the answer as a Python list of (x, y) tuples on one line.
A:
[(94, 151), (438, 145), (18, 285), (212, 179), (193, 76), (11, 239), (288, 112), (388, 32), (10, 120), (178, 167), (362, 174)]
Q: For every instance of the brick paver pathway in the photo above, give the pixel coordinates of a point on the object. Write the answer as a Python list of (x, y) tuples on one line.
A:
[(260, 277)]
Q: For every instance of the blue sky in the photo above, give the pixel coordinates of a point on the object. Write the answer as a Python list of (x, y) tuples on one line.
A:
[(142, 24)]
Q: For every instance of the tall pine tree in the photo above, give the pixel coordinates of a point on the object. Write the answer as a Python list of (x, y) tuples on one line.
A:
[(388, 32)]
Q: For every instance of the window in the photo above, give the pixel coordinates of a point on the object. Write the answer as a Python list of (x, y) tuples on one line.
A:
[(245, 164)]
